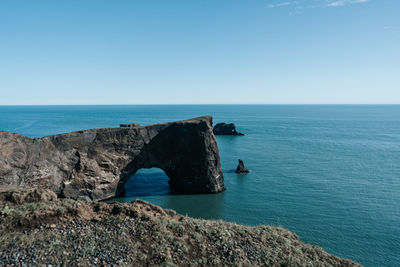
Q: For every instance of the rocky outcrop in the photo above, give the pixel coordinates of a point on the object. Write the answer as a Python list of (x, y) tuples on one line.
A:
[(240, 168), (225, 129), (130, 125), (19, 195), (95, 164)]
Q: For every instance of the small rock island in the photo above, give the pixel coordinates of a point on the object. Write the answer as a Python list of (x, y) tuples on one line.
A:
[(240, 168), (225, 129)]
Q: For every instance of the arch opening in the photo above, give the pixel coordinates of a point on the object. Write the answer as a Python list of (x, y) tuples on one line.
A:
[(147, 182), (187, 157)]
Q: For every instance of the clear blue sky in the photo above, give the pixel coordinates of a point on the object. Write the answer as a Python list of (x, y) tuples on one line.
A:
[(205, 51)]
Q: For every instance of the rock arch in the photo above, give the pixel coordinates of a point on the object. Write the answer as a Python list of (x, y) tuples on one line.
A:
[(95, 164), (147, 182)]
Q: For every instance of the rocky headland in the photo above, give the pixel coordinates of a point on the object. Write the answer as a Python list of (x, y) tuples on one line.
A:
[(37, 228), (95, 164), (50, 214)]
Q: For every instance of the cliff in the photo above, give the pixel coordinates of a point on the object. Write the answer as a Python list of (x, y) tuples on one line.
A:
[(36, 228), (95, 164)]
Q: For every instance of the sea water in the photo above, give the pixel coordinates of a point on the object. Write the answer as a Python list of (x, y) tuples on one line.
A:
[(330, 173)]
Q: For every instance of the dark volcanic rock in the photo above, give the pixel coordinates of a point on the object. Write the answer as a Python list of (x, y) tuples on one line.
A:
[(225, 129), (130, 125), (240, 168), (95, 164)]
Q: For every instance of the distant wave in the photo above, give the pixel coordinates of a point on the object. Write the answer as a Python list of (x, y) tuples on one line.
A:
[(26, 125)]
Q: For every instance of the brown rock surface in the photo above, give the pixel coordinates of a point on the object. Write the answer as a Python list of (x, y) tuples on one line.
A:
[(20, 195)]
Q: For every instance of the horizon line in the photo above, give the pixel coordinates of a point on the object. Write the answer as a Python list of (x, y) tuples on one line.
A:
[(214, 104)]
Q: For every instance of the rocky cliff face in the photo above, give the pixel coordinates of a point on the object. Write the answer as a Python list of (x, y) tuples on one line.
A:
[(95, 164)]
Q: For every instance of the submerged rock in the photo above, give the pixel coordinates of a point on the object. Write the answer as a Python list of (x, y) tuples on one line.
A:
[(225, 129), (240, 168), (95, 164)]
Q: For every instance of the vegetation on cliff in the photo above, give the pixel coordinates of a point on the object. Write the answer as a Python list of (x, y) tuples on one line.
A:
[(38, 228)]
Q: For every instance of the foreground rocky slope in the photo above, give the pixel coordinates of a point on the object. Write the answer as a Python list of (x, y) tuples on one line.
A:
[(95, 164), (37, 228)]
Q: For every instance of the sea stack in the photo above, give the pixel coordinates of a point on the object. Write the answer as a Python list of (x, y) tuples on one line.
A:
[(225, 129), (240, 168)]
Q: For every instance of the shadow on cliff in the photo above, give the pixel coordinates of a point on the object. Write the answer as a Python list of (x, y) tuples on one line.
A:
[(184, 154)]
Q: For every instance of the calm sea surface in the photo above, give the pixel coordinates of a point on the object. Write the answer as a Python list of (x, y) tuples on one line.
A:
[(329, 173)]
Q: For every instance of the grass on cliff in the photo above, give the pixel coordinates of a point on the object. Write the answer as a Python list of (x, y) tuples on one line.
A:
[(69, 232)]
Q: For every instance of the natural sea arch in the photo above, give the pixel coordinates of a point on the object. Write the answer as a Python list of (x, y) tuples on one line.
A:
[(95, 164), (147, 182)]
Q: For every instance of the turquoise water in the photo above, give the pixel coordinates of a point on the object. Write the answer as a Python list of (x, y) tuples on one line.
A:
[(329, 173)]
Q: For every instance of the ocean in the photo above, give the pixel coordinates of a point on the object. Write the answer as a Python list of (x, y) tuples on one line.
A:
[(330, 173)]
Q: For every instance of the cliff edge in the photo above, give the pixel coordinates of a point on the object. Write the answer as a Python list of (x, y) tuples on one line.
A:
[(37, 229)]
